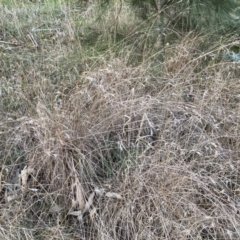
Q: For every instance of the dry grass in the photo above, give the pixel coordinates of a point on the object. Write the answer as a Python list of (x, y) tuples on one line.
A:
[(94, 148)]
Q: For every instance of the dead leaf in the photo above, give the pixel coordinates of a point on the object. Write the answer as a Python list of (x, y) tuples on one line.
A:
[(93, 212), (113, 195), (78, 214), (75, 213), (24, 175), (77, 191), (33, 189), (99, 192), (55, 209), (89, 202), (11, 198)]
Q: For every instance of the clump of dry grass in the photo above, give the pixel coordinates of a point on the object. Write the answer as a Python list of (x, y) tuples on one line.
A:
[(121, 152)]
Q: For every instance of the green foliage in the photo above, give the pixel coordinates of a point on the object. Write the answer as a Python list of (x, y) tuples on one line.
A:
[(188, 15), (214, 14)]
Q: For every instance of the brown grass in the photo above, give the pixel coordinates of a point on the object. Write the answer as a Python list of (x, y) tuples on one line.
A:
[(114, 151)]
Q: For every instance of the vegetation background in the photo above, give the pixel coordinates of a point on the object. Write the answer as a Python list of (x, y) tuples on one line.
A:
[(119, 119)]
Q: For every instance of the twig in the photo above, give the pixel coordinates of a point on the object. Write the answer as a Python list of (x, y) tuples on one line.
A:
[(11, 43), (30, 35)]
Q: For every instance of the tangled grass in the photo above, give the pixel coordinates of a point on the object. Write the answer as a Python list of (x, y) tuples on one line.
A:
[(92, 147)]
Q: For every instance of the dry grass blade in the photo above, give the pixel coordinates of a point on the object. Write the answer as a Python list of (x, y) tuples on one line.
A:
[(101, 139)]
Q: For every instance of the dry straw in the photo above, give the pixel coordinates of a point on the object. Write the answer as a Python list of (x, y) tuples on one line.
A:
[(114, 150)]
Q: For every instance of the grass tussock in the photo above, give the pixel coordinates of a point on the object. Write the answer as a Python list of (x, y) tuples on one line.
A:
[(95, 144)]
